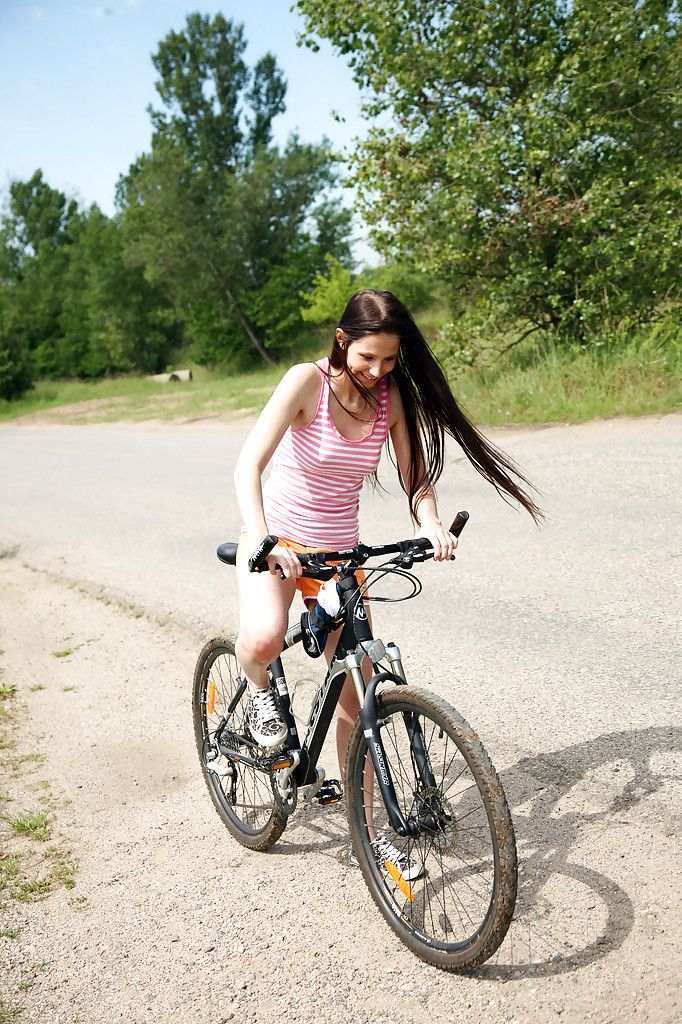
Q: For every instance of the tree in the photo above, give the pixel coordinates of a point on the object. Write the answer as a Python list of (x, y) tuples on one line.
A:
[(70, 304), (36, 236), (16, 372), (219, 218), (112, 319), (531, 159)]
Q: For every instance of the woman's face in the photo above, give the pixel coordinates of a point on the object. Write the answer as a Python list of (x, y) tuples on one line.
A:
[(371, 357)]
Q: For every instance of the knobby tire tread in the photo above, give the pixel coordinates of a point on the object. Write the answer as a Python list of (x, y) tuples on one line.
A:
[(262, 839), (494, 800)]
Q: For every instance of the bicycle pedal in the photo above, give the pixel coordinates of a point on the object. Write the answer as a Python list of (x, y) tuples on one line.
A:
[(280, 761), (330, 792)]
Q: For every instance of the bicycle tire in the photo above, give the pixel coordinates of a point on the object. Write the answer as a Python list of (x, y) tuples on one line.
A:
[(245, 803), (469, 856)]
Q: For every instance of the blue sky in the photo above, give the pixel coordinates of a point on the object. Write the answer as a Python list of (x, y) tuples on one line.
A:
[(76, 78)]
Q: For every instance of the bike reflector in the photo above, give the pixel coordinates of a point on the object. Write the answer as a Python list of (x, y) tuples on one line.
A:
[(400, 881), (210, 703)]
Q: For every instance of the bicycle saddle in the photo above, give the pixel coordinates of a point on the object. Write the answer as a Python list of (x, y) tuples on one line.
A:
[(227, 552)]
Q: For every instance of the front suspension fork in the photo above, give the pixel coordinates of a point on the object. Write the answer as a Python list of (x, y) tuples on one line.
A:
[(372, 725)]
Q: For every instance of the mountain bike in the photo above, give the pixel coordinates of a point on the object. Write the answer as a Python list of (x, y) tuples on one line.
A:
[(418, 781)]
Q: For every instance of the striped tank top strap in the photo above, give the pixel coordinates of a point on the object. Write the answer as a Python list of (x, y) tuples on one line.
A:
[(323, 404)]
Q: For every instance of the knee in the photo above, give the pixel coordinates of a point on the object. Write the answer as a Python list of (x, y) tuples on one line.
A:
[(261, 647)]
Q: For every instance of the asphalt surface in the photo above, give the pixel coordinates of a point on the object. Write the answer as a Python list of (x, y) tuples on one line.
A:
[(549, 635)]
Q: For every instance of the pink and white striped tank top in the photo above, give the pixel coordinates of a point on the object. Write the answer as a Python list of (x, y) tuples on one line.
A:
[(313, 493)]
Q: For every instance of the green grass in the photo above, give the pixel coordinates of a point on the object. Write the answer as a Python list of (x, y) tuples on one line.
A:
[(629, 371), (7, 690), (210, 393), (34, 825), (9, 869), (29, 868), (9, 1014)]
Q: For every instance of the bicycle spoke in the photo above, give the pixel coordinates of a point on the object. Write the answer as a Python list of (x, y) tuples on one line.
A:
[(451, 899), (245, 800)]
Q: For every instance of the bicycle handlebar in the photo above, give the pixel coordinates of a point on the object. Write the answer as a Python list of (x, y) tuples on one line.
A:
[(262, 551), (315, 564)]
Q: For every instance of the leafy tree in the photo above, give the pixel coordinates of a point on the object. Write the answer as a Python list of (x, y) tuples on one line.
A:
[(331, 289), (330, 292), (112, 319), (36, 236), (526, 152), (16, 373), (219, 218), (70, 304)]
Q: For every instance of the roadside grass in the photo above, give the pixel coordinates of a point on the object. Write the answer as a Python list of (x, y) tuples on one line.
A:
[(32, 824), (210, 393), (33, 860), (9, 1014), (631, 371)]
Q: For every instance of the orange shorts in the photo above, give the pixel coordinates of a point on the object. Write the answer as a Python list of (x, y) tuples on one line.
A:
[(307, 588)]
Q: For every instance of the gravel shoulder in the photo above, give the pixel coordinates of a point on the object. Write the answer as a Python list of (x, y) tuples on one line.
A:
[(170, 917)]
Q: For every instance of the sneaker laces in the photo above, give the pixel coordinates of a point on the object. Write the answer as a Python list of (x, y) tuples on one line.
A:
[(384, 850), (264, 710)]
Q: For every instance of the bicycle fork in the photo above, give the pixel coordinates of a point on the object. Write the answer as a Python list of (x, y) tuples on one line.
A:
[(372, 725)]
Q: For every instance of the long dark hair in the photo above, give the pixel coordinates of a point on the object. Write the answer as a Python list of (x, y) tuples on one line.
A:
[(431, 409)]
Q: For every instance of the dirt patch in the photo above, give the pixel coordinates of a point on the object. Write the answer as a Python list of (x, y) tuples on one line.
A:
[(170, 918)]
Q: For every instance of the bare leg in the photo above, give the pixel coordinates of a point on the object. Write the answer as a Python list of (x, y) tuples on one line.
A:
[(347, 713), (264, 602)]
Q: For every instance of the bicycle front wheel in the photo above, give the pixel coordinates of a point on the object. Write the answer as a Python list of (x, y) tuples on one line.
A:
[(244, 798), (449, 892)]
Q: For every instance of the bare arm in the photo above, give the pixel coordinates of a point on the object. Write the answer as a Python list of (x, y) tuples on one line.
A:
[(441, 539), (289, 402)]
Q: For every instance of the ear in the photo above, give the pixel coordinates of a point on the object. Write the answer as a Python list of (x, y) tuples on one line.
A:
[(341, 338)]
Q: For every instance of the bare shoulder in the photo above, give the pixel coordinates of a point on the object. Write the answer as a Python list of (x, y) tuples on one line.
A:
[(301, 375), (299, 388)]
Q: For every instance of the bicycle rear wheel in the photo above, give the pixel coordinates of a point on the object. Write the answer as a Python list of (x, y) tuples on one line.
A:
[(456, 914), (244, 800)]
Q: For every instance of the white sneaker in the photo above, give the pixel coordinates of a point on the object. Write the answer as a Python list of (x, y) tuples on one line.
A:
[(267, 726), (384, 850)]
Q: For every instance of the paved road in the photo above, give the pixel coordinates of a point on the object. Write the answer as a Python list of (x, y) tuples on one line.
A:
[(544, 636), (558, 644)]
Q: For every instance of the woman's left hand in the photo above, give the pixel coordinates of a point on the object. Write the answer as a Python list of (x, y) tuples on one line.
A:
[(442, 541)]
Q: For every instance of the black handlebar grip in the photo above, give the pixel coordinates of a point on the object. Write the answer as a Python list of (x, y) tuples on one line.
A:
[(458, 523), (261, 552)]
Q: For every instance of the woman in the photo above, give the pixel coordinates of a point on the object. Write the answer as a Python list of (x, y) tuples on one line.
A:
[(326, 423)]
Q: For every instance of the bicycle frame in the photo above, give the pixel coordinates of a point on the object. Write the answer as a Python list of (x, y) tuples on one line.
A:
[(356, 642)]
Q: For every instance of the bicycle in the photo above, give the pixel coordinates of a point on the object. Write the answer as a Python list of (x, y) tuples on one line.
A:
[(416, 773)]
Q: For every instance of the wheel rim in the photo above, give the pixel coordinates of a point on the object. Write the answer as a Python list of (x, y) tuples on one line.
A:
[(450, 905), (247, 797)]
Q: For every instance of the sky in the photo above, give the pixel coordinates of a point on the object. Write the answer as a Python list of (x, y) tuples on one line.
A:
[(76, 78)]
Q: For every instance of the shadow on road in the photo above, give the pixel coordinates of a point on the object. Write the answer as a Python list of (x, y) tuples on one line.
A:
[(568, 914)]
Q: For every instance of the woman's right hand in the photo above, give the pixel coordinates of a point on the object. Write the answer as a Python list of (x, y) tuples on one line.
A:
[(283, 562)]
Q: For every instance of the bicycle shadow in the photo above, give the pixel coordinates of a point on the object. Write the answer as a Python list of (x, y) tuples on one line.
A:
[(555, 806)]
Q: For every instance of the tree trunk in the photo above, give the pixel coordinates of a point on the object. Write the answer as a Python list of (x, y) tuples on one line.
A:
[(253, 337)]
